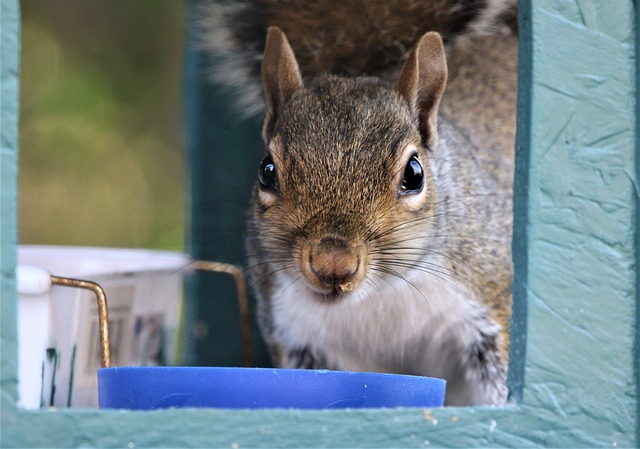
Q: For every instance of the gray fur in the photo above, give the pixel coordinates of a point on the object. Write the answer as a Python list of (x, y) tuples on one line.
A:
[(435, 299)]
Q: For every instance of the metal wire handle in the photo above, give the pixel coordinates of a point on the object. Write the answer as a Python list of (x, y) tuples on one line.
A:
[(218, 267), (103, 314)]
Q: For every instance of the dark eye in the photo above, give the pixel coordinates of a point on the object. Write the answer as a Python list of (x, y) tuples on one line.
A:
[(413, 176), (267, 174)]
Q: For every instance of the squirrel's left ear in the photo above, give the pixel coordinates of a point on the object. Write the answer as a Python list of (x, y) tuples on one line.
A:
[(422, 82), (280, 76)]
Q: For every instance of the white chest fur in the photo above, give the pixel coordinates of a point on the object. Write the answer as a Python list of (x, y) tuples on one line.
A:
[(389, 325)]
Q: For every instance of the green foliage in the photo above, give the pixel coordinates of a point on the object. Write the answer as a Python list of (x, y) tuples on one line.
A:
[(101, 158)]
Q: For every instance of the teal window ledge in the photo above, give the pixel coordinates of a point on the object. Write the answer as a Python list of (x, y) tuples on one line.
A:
[(575, 253)]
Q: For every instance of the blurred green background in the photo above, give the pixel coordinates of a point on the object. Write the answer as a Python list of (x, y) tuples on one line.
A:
[(101, 145)]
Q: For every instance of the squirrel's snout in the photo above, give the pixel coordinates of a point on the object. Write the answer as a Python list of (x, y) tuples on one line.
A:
[(332, 265)]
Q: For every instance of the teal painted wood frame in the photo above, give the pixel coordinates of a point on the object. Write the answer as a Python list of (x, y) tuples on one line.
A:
[(576, 269)]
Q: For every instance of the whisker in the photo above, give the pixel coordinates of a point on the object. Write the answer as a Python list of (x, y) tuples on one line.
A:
[(442, 276), (290, 284), (398, 252), (430, 268), (391, 272)]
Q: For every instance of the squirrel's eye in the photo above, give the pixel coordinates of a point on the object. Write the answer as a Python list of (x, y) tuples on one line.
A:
[(267, 174), (413, 176)]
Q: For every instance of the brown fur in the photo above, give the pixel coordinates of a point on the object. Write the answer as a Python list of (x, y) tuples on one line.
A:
[(362, 37), (334, 36)]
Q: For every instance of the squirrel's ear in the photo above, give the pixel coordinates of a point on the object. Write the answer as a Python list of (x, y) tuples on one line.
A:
[(422, 82), (280, 76)]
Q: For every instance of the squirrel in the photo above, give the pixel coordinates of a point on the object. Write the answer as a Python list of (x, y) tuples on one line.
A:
[(379, 236)]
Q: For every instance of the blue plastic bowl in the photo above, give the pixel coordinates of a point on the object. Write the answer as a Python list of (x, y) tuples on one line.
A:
[(149, 388)]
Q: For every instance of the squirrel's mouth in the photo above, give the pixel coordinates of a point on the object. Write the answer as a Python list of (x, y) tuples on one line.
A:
[(329, 297), (330, 290), (329, 293)]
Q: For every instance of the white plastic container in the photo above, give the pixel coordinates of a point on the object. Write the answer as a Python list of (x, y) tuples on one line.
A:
[(58, 326)]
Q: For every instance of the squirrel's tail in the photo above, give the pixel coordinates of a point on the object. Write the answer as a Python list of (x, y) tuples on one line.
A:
[(336, 36)]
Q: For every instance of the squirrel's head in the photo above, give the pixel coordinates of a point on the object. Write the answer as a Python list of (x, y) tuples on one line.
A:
[(346, 191)]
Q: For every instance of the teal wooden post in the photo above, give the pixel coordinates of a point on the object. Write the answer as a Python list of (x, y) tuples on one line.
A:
[(223, 155), (576, 258), (9, 63)]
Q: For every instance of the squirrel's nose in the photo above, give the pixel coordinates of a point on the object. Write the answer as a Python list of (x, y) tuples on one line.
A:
[(334, 264)]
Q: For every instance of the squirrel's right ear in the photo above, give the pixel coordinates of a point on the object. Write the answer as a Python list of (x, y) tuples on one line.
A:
[(422, 82), (280, 76)]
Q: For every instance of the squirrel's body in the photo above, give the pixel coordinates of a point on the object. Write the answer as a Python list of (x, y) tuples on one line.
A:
[(380, 233)]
